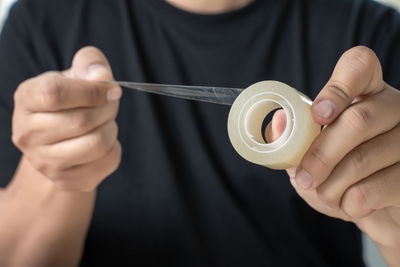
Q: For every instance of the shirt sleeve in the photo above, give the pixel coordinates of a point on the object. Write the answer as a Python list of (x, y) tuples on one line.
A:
[(17, 63)]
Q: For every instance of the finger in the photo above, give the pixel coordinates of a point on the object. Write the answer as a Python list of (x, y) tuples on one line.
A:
[(381, 226), (359, 123), (54, 92), (363, 161), (87, 177), (81, 150), (377, 191), (74, 122), (91, 64), (357, 73), (312, 199), (276, 127)]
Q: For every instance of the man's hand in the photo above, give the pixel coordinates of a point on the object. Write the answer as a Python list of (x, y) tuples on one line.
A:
[(64, 123), (352, 169)]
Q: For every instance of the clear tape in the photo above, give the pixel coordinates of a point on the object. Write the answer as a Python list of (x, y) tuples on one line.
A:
[(248, 113), (216, 95)]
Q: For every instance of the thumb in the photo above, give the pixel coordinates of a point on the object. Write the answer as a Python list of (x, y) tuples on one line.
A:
[(89, 63), (357, 73), (276, 127)]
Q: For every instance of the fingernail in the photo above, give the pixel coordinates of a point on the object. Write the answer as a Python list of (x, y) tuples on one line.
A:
[(96, 71), (114, 94), (324, 109), (303, 179)]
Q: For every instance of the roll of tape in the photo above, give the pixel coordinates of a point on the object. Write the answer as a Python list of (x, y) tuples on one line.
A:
[(248, 113)]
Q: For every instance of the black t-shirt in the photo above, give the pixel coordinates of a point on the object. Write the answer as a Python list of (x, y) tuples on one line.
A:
[(182, 196)]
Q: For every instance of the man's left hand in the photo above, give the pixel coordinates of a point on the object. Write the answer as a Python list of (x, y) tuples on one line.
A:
[(352, 169)]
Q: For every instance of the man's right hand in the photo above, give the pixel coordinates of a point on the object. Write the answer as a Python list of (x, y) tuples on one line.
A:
[(64, 123)]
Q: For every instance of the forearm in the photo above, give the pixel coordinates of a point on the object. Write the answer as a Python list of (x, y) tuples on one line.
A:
[(41, 225)]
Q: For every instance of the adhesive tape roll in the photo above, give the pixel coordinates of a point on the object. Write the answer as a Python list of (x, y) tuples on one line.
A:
[(248, 113)]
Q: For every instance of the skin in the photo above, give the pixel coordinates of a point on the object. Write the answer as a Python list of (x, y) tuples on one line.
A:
[(64, 124), (209, 6), (352, 169)]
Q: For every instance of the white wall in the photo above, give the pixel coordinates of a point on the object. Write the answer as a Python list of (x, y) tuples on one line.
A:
[(4, 6), (393, 3)]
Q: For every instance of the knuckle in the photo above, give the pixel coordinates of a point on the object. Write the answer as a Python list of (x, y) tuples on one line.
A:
[(20, 139), (58, 166), (115, 158), (114, 110), (80, 120), (117, 154), (52, 169), (97, 143), (18, 94), (43, 167), (358, 159), (114, 132), (114, 128), (356, 196), (327, 197), (358, 117), (96, 95), (354, 201), (50, 91), (21, 94), (341, 90), (52, 174), (317, 155)]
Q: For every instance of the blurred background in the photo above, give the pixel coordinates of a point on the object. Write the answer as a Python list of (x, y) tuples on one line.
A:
[(371, 253), (4, 6)]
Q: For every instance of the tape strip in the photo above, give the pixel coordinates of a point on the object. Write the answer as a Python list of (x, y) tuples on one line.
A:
[(248, 113)]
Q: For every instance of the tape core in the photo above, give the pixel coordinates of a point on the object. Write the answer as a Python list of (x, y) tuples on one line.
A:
[(260, 110), (248, 113)]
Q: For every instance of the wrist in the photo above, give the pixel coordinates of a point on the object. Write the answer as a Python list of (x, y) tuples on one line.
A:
[(28, 175), (36, 218)]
